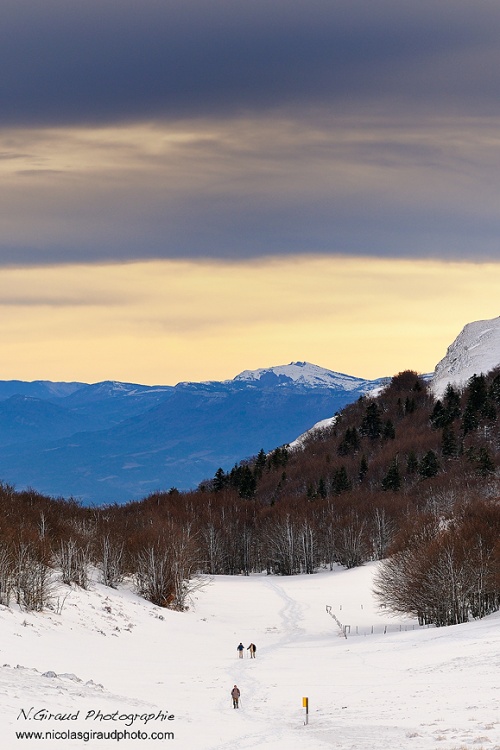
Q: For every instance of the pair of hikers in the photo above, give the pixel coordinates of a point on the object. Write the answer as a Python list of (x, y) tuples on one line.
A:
[(252, 648)]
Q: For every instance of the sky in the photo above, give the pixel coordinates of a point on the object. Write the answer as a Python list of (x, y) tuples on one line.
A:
[(190, 189)]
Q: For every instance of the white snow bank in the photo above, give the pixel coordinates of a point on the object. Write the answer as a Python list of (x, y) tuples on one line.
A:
[(118, 656)]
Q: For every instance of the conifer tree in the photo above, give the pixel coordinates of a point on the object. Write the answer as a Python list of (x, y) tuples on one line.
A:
[(349, 443), (389, 433), (438, 417), (470, 421), (478, 392), (247, 484), (409, 405), (340, 481), (449, 443), (494, 390), (479, 406), (363, 468), (392, 480), (429, 465), (260, 463), (411, 463), (452, 403), (371, 426), (485, 462), (220, 480), (322, 488)]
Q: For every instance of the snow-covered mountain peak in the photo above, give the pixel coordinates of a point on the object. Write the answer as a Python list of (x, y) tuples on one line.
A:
[(475, 350), (300, 373)]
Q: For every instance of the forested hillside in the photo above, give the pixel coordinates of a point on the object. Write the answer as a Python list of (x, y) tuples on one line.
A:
[(400, 477)]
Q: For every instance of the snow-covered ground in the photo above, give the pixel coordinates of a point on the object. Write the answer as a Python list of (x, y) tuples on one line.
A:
[(109, 661)]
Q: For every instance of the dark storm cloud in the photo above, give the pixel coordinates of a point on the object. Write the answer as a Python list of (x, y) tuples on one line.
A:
[(246, 128), (66, 62)]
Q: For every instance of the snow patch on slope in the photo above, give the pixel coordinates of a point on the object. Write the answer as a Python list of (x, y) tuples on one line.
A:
[(476, 350), (300, 442)]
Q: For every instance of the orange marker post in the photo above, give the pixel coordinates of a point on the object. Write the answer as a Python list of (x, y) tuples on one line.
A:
[(305, 704)]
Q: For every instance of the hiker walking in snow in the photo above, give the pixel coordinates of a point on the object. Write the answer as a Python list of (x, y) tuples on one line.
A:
[(252, 648), (240, 650), (235, 695)]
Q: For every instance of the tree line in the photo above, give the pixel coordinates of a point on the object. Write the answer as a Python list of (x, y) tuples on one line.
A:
[(399, 477)]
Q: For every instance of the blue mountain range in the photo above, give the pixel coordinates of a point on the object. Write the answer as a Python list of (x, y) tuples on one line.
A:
[(113, 442)]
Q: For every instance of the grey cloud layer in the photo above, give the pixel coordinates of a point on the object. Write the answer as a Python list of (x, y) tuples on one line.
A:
[(249, 188), (364, 127), (66, 62)]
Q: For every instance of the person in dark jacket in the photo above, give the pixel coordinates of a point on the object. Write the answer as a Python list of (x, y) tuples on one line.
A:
[(235, 695), (252, 648), (240, 650)]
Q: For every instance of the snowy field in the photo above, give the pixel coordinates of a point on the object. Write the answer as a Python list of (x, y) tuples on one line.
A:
[(108, 662)]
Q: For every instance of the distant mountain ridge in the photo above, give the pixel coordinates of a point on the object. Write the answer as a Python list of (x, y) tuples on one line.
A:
[(37, 389), (113, 442)]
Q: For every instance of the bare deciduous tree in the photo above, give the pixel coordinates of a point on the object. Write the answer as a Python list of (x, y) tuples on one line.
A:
[(111, 561), (6, 572), (74, 561), (31, 578)]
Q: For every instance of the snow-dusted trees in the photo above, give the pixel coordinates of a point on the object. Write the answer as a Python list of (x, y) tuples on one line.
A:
[(165, 565), (6, 565), (281, 541), (397, 584), (74, 561), (291, 544), (154, 576), (449, 577), (111, 560), (351, 544), (25, 575), (226, 534), (308, 547), (437, 583), (31, 576), (214, 543), (382, 532)]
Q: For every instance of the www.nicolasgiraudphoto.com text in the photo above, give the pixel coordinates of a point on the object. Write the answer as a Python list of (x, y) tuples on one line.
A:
[(100, 725)]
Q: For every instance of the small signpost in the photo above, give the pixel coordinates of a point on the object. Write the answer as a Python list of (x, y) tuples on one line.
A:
[(305, 704)]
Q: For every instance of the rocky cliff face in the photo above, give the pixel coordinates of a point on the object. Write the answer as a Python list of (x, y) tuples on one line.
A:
[(475, 350)]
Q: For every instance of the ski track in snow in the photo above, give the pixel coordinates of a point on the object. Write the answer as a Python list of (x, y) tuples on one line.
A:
[(256, 696), (291, 612)]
